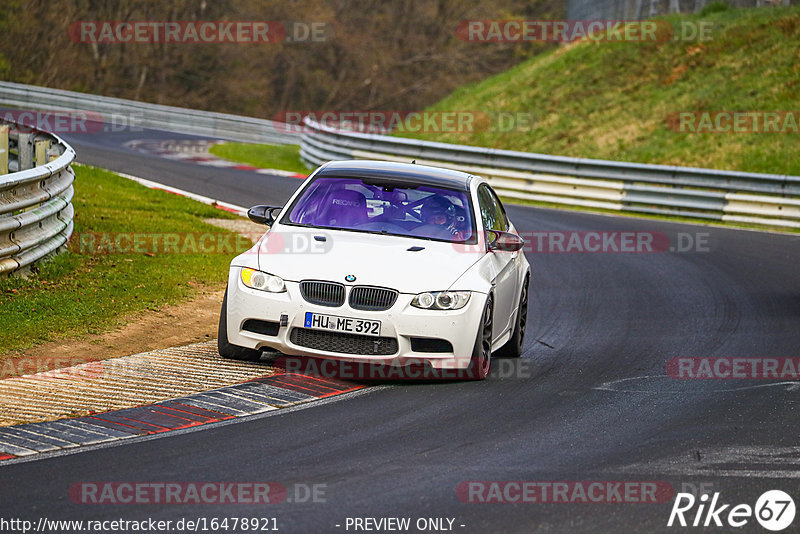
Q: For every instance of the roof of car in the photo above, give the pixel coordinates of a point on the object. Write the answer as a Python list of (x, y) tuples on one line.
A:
[(404, 172)]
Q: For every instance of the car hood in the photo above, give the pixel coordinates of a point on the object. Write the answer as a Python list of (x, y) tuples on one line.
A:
[(297, 254)]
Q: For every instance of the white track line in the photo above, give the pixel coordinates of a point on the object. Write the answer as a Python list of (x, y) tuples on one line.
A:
[(233, 208)]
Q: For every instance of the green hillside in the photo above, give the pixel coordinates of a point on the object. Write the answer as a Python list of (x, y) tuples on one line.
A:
[(612, 100)]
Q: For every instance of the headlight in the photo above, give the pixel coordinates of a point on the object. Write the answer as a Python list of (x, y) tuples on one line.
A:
[(441, 300), (262, 281)]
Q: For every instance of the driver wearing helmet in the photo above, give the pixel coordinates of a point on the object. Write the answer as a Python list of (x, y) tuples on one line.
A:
[(439, 213)]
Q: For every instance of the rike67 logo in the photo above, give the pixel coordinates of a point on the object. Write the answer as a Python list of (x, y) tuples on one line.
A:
[(774, 510)]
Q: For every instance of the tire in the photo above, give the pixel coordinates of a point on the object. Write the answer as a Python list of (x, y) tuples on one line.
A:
[(225, 349), (513, 348), (481, 361)]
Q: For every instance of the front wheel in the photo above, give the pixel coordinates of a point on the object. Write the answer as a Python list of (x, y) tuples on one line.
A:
[(513, 348), (225, 349), (481, 360)]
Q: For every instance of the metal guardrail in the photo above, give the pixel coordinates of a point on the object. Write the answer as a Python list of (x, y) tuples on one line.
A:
[(641, 9), (767, 199), (169, 118), (36, 198)]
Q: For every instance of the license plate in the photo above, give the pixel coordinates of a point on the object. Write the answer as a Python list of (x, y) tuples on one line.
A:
[(350, 325)]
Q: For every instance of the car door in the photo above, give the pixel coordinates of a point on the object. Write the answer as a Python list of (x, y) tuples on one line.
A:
[(502, 265)]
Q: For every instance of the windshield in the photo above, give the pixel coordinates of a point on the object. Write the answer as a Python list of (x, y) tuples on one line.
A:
[(379, 206)]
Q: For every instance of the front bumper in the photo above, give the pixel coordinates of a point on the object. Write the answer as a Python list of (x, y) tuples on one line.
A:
[(401, 322)]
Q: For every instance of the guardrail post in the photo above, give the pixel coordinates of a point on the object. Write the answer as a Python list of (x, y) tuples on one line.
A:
[(4, 149), (24, 151), (53, 153), (41, 151)]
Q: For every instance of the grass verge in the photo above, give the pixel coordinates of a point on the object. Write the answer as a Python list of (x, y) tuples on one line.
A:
[(108, 275), (283, 157), (620, 100)]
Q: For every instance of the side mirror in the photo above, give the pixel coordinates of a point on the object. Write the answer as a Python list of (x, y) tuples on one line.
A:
[(503, 241), (263, 214)]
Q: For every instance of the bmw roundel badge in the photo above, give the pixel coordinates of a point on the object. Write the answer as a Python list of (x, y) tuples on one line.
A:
[(349, 278)]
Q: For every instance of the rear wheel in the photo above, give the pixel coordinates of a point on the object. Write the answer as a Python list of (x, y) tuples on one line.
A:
[(481, 360), (513, 348), (225, 349)]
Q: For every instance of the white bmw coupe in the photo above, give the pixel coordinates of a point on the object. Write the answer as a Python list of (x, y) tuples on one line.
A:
[(382, 263)]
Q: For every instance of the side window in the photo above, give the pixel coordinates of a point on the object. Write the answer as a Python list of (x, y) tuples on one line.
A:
[(485, 204), (501, 213), (492, 212)]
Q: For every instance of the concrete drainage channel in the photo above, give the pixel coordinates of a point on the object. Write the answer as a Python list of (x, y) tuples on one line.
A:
[(143, 394)]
